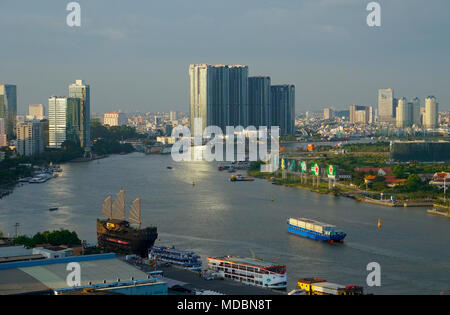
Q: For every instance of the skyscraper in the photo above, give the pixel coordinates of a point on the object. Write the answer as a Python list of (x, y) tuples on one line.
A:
[(386, 106), (30, 138), (64, 119), (82, 91), (404, 114), (259, 99), (8, 108), (283, 108), (415, 107), (431, 113), (218, 95)]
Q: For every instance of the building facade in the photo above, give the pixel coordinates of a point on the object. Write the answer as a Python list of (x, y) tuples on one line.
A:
[(431, 113), (64, 120), (404, 113), (8, 108), (81, 91), (114, 119), (386, 106), (283, 108), (30, 138), (328, 113), (3, 140), (259, 100), (218, 95), (35, 111), (360, 114)]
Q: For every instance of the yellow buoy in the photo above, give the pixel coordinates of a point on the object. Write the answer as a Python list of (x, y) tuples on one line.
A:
[(379, 223)]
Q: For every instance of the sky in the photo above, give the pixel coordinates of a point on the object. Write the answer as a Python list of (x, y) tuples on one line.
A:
[(135, 54)]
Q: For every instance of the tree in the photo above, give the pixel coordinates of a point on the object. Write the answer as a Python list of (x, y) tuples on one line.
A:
[(413, 183)]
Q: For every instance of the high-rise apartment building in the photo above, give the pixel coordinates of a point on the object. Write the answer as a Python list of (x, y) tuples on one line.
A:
[(283, 108), (218, 95), (431, 113), (386, 105), (30, 138), (81, 91), (35, 111), (415, 107), (114, 119), (259, 101), (8, 108), (360, 114), (404, 113)]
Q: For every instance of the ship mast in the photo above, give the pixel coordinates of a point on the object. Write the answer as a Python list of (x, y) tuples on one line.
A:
[(118, 206), (135, 212), (107, 208)]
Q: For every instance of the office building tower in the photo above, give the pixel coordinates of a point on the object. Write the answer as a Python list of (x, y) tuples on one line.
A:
[(431, 113), (8, 108), (259, 99), (64, 119), (328, 113), (283, 108), (35, 111), (360, 114), (82, 91), (386, 105), (114, 119), (3, 141), (218, 95), (30, 138)]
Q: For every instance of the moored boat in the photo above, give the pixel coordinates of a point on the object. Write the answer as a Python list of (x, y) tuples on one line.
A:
[(250, 271)]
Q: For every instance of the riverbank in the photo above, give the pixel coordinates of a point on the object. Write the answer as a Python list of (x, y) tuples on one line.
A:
[(323, 188)]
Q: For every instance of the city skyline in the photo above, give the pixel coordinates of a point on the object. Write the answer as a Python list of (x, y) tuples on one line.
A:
[(154, 72)]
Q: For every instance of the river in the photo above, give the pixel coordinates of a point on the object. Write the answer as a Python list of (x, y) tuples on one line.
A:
[(218, 217)]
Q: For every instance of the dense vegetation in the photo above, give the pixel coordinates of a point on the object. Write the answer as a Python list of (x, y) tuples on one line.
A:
[(368, 147), (55, 238)]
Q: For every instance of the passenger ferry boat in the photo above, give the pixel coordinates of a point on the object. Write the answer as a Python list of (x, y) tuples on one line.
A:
[(250, 271), (186, 259), (315, 230)]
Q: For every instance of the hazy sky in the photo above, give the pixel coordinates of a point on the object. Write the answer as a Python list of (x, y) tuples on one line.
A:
[(135, 54)]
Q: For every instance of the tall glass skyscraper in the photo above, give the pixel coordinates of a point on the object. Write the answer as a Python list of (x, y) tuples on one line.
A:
[(283, 108), (82, 91), (259, 99), (8, 108), (64, 119)]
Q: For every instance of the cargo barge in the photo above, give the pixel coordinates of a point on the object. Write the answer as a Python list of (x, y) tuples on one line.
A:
[(117, 234), (315, 230), (250, 271)]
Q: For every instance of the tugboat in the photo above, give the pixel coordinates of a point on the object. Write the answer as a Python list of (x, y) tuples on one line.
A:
[(118, 234)]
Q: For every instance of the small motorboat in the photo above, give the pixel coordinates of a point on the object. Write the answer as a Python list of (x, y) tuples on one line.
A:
[(169, 167), (53, 209)]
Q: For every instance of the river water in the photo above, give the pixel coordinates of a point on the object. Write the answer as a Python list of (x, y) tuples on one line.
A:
[(218, 217)]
